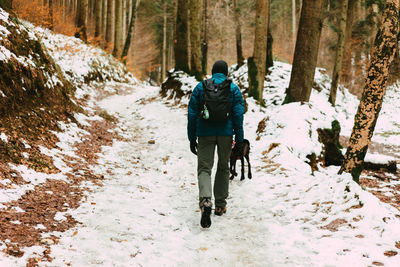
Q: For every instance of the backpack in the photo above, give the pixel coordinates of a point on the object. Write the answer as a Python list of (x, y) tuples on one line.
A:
[(216, 105)]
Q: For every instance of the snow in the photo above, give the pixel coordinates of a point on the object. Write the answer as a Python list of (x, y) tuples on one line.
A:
[(149, 211), (3, 137), (3, 31), (378, 158), (5, 54), (3, 15), (80, 62)]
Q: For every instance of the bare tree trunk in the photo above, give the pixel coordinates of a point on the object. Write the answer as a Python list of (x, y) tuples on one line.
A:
[(346, 64), (294, 28), (135, 5), (195, 38), (98, 10), (306, 52), (51, 13), (123, 19), (238, 33), (118, 29), (81, 18), (257, 72), (164, 49), (104, 18), (371, 101), (181, 43), (110, 23), (6, 4), (339, 51), (204, 41), (269, 57)]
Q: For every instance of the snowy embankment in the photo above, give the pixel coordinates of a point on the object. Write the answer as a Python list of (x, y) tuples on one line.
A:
[(146, 211)]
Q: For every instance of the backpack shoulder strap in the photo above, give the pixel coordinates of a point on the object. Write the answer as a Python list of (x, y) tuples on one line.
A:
[(207, 83)]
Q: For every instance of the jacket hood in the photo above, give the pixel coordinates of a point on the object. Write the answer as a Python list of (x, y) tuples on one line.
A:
[(218, 78)]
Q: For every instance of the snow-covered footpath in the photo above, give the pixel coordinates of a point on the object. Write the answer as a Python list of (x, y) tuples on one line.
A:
[(146, 213)]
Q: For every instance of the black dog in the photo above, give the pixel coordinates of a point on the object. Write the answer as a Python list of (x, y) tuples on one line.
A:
[(235, 155)]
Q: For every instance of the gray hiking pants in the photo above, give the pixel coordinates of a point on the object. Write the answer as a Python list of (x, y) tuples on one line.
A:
[(205, 162)]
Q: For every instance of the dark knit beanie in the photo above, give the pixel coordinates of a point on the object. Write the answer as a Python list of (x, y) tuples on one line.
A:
[(220, 66)]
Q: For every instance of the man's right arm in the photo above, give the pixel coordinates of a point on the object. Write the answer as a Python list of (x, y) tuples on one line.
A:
[(193, 111)]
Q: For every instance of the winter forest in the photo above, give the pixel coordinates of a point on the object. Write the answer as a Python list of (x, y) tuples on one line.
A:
[(199, 133)]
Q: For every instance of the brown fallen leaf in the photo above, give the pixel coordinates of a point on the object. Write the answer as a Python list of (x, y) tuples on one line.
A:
[(390, 253), (75, 233), (203, 249)]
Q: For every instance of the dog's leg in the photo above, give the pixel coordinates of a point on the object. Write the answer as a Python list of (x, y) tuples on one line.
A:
[(248, 162), (232, 168), (242, 176)]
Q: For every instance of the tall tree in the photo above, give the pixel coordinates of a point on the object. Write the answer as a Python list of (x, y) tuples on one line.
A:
[(103, 17), (339, 50), (257, 63), (98, 10), (384, 49), (110, 23), (294, 28), (131, 28), (204, 38), (118, 29), (181, 42), (238, 34), (81, 17), (346, 64), (51, 14), (195, 38), (306, 51), (6, 4), (269, 60), (164, 43)]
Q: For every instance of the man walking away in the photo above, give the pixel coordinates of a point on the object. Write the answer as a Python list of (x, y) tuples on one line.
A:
[(215, 114)]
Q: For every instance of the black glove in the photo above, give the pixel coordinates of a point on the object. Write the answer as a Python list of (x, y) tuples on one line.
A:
[(193, 147), (238, 149)]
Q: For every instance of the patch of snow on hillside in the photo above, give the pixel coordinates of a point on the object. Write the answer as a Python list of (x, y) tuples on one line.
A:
[(81, 62), (3, 15)]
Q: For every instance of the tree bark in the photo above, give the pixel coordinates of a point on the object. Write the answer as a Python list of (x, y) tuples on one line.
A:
[(164, 49), (270, 59), (238, 33), (118, 29), (110, 23), (98, 8), (81, 17), (195, 38), (384, 49), (346, 64), (6, 4), (339, 51), (103, 17), (306, 52), (294, 28), (51, 14), (181, 43), (204, 41), (256, 85), (131, 30)]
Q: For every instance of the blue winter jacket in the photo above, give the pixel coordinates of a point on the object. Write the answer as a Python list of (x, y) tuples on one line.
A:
[(200, 127)]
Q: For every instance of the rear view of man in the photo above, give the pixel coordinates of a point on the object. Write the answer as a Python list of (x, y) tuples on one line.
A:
[(215, 114)]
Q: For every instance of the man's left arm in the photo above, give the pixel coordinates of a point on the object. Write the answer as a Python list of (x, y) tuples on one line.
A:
[(237, 114)]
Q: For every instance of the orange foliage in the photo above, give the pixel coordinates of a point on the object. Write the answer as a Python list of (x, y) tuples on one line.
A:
[(38, 14)]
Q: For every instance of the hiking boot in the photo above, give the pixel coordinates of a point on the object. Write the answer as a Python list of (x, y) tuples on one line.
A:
[(219, 211), (205, 221)]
